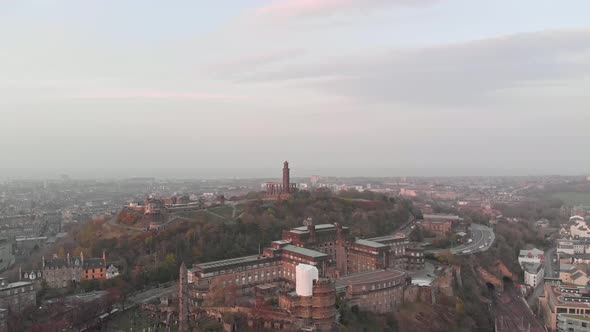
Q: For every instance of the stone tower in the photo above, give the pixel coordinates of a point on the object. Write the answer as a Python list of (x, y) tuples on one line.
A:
[(286, 180), (183, 300)]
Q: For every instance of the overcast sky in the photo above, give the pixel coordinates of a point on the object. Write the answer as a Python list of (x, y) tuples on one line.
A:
[(202, 88)]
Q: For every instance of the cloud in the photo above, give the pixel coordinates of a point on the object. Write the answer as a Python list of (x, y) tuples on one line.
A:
[(251, 62), (157, 95), (450, 74), (305, 8)]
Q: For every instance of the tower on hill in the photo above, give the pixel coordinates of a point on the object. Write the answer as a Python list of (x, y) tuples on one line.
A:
[(281, 190)]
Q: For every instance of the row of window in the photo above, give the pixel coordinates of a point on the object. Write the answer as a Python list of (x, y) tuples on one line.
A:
[(16, 291)]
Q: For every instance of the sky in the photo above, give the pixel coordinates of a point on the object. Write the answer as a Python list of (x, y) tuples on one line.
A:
[(232, 88)]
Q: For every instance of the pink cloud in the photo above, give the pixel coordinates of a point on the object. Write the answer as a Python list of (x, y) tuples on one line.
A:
[(157, 95), (296, 8), (287, 8)]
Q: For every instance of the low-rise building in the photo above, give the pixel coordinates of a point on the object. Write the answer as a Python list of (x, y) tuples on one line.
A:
[(533, 273), (573, 275), (531, 256), (112, 272), (17, 296), (573, 323), (560, 299)]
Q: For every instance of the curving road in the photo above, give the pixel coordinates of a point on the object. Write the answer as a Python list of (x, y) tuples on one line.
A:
[(483, 238)]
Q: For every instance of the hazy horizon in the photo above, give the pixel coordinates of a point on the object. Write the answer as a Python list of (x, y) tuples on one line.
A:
[(337, 87), (259, 173)]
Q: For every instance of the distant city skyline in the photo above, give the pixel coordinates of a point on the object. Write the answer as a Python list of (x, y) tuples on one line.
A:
[(337, 87)]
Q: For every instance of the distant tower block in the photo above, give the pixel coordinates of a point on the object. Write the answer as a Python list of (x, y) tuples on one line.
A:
[(304, 277)]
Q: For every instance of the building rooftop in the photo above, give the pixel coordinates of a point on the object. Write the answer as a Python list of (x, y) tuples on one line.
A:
[(320, 227), (229, 262), (574, 297), (369, 243), (387, 238), (534, 252), (578, 317), (304, 251), (370, 276), (566, 267), (532, 268), (16, 284), (441, 216)]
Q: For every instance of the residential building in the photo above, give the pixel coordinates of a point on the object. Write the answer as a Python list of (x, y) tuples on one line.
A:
[(533, 273), (17, 296), (112, 272), (94, 268), (560, 299), (531, 256), (60, 272), (573, 323), (573, 275), (580, 228)]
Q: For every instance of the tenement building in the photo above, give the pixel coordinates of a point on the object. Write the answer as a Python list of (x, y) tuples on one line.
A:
[(17, 296), (61, 272)]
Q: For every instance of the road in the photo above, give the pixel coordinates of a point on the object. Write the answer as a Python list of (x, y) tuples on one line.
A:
[(483, 238)]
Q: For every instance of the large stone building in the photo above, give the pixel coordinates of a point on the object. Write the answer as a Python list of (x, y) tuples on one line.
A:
[(17, 296), (329, 247), (60, 272), (378, 291)]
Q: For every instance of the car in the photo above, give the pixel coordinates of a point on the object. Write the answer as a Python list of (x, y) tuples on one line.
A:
[(481, 247), (466, 251)]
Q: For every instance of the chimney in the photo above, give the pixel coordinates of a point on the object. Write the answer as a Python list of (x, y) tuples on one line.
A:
[(82, 257), (104, 257), (68, 259), (43, 258), (311, 230)]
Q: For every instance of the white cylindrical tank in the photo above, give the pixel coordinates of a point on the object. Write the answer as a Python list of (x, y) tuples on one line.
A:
[(304, 277)]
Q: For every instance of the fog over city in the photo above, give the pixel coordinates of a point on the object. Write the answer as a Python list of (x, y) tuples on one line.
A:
[(202, 89)]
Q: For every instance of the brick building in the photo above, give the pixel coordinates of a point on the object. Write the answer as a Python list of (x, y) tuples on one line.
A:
[(329, 247), (414, 258), (440, 225), (378, 291), (94, 268)]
